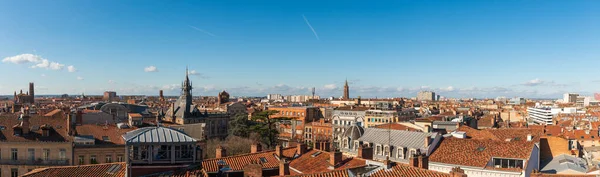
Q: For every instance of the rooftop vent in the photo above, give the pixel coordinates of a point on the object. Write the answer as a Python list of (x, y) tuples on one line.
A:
[(480, 149), (113, 169)]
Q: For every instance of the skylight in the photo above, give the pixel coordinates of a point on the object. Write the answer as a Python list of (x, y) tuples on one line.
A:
[(263, 160), (480, 148)]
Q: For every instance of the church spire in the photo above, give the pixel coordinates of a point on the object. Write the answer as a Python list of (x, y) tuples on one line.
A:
[(346, 91)]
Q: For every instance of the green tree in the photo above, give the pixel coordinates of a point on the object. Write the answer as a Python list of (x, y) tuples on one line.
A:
[(265, 127), (240, 126)]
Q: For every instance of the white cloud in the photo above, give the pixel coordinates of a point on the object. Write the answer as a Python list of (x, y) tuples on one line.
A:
[(79, 78), (23, 58), (151, 69), (111, 81), (171, 87), (447, 89), (36, 60), (197, 74), (43, 75), (330, 87), (71, 68), (534, 82)]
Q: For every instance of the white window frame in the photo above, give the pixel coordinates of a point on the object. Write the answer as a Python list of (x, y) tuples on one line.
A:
[(401, 153), (378, 149)]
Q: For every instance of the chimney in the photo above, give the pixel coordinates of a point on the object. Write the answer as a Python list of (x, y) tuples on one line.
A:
[(254, 169), (326, 146), (427, 141), (423, 161), (529, 137), (322, 121), (427, 129), (69, 124), (335, 158), (284, 167), (220, 152), (387, 163), (457, 172), (302, 148), (79, 118), (255, 147), (365, 152), (413, 161), (25, 122), (279, 151)]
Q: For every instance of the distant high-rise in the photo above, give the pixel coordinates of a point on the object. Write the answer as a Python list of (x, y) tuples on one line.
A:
[(570, 97), (426, 96), (109, 96), (346, 91)]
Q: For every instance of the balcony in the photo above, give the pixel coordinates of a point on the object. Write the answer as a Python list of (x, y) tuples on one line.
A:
[(35, 162)]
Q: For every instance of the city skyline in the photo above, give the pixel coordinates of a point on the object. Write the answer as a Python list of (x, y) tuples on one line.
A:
[(394, 49)]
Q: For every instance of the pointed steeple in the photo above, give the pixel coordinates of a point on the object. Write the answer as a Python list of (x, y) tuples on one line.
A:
[(346, 91)]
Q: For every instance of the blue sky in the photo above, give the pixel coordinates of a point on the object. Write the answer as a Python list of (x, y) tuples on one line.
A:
[(385, 49)]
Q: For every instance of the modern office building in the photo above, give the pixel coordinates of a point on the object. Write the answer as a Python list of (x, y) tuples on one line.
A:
[(426, 96)]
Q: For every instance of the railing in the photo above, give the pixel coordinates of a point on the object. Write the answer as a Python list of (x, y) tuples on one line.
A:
[(34, 162)]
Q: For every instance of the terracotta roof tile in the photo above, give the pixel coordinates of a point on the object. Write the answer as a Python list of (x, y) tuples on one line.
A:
[(307, 164), (408, 171), (99, 170), (99, 131), (396, 126), (58, 132), (477, 153), (237, 162)]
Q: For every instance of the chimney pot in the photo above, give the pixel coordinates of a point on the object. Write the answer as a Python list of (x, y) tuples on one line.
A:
[(255, 147), (365, 152), (302, 148), (279, 151), (335, 158), (220, 152), (284, 167)]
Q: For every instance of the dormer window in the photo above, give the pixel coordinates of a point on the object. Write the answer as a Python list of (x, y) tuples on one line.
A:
[(387, 150), (401, 152), (378, 149), (508, 163), (105, 138)]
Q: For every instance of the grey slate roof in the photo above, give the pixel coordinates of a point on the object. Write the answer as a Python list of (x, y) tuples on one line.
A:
[(399, 138), (565, 162), (157, 135)]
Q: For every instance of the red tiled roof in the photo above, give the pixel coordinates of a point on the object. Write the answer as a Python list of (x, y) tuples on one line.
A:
[(477, 134), (237, 163), (336, 173), (52, 113), (58, 133), (98, 131), (97, 170), (476, 153), (306, 163), (408, 171)]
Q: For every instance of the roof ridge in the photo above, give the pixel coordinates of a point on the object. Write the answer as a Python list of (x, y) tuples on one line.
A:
[(247, 154)]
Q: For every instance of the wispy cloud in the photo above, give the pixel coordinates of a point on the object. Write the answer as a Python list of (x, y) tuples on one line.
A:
[(71, 68), (195, 73), (310, 26), (79, 78), (151, 69), (539, 82), (204, 31)]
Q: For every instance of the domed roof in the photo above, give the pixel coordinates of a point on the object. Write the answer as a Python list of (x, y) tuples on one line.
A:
[(354, 132)]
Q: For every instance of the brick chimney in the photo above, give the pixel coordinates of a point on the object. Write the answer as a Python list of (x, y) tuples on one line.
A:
[(457, 172), (25, 122), (79, 118), (69, 124), (335, 157), (365, 152), (220, 152), (413, 161), (302, 148), (279, 151), (255, 147), (254, 169), (284, 167), (423, 161)]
